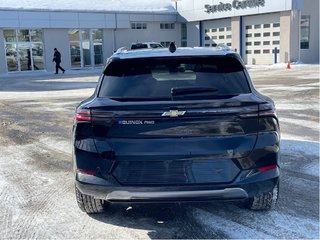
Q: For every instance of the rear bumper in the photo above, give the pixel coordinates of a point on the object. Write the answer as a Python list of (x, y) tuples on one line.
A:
[(112, 192), (228, 193)]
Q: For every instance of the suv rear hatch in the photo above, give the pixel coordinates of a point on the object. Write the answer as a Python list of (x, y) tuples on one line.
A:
[(174, 122)]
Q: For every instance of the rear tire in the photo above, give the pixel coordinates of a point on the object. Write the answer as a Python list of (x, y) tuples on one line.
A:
[(89, 204), (264, 201)]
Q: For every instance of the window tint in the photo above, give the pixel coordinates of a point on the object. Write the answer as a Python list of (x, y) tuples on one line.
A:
[(154, 78)]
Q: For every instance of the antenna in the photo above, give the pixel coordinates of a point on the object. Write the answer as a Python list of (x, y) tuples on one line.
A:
[(172, 47)]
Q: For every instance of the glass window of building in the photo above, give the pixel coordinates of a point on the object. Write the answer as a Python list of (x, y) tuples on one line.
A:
[(221, 29), (183, 34), (213, 30), (74, 41), (275, 34), (266, 34), (24, 49), (172, 26), (266, 25), (276, 25), (249, 27), (138, 25), (257, 35), (257, 26), (304, 32), (86, 47), (97, 46)]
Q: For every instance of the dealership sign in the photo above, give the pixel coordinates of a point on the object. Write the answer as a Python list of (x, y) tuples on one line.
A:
[(236, 4)]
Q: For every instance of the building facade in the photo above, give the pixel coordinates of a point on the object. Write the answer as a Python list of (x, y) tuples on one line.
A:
[(262, 31), (84, 39)]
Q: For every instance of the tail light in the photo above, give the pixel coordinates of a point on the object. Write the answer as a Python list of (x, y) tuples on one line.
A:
[(267, 110), (87, 172), (82, 115), (267, 168)]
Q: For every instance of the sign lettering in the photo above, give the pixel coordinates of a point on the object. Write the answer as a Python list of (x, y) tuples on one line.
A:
[(236, 4)]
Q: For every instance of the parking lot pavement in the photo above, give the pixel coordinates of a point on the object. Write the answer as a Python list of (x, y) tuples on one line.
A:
[(36, 181)]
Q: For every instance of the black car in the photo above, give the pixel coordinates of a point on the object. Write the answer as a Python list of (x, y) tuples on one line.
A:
[(173, 124)]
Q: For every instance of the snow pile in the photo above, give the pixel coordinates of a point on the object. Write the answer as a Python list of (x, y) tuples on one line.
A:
[(92, 5)]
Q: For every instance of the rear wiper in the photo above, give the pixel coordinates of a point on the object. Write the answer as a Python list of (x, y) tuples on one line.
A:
[(191, 90)]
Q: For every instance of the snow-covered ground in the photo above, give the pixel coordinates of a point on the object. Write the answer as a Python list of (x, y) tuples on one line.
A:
[(36, 181)]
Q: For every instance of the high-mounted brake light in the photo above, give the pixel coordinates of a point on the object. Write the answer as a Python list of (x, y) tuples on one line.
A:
[(83, 115)]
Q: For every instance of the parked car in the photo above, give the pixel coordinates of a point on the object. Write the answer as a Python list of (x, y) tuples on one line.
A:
[(173, 124), (142, 45)]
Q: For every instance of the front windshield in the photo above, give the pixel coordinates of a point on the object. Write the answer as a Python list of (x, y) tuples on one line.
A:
[(156, 78)]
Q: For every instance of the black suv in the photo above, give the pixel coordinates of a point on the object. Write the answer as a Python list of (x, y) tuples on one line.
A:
[(172, 124)]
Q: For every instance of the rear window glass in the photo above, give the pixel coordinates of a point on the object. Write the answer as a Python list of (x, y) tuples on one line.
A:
[(155, 78), (139, 46)]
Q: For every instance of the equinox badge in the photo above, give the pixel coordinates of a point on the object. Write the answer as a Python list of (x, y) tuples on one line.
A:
[(173, 113)]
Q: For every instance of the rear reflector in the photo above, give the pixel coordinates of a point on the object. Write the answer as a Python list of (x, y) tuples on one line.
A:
[(83, 115), (264, 169), (88, 172)]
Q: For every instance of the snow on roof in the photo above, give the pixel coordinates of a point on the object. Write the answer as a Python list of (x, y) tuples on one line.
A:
[(161, 6)]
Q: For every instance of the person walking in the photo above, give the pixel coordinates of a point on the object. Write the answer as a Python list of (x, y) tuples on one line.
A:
[(57, 60)]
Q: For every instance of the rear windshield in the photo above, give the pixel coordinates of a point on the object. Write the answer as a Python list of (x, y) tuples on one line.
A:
[(160, 78)]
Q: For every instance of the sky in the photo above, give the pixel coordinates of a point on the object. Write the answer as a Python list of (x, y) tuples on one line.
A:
[(90, 5)]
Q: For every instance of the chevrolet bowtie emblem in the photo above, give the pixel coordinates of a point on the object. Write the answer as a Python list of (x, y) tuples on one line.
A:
[(173, 113)]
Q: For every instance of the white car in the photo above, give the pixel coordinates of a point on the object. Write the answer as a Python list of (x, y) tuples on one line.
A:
[(141, 45)]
